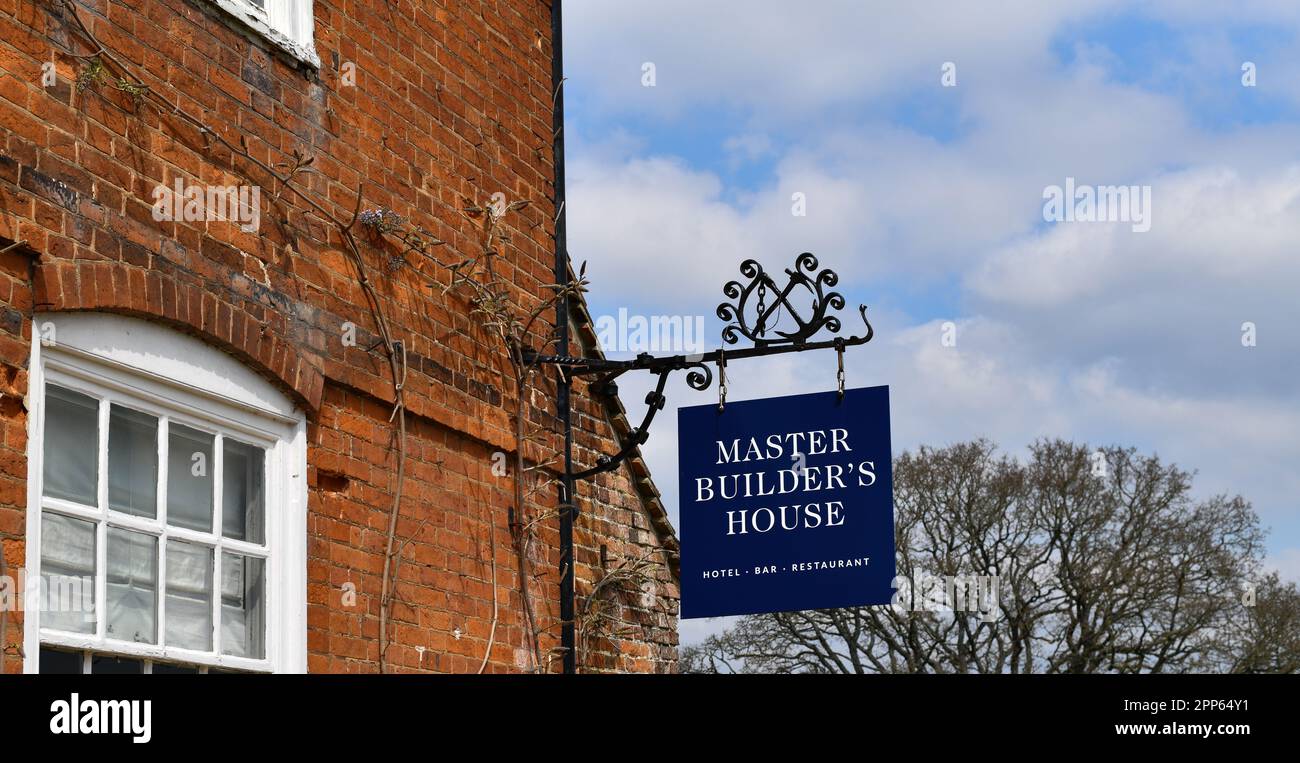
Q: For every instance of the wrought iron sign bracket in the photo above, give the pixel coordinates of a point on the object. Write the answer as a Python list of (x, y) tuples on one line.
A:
[(757, 311)]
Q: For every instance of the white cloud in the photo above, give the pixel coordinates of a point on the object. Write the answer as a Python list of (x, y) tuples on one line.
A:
[(785, 58), (747, 147)]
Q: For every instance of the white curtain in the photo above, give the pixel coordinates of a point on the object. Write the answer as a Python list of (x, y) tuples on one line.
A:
[(189, 595), (132, 462), (67, 573), (132, 595), (242, 609), (71, 456), (189, 478), (241, 491)]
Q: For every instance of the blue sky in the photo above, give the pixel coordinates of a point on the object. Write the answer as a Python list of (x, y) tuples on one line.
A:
[(928, 201)]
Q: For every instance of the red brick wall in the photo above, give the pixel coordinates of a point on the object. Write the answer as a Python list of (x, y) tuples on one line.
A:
[(452, 103)]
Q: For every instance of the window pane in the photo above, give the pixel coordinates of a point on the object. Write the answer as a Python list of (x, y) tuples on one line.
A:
[(132, 586), (132, 462), (163, 668), (59, 662), (102, 664), (241, 491), (189, 478), (67, 573), (189, 595), (71, 456), (242, 605)]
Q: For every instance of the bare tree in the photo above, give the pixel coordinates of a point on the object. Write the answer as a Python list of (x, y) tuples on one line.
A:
[(1267, 638), (1101, 560)]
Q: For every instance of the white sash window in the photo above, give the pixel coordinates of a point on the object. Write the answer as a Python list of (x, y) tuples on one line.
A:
[(167, 495)]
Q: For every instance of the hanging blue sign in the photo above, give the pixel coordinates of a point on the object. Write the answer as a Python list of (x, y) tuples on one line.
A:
[(786, 504)]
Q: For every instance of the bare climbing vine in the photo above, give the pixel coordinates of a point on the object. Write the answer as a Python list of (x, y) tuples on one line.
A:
[(516, 331), (598, 612)]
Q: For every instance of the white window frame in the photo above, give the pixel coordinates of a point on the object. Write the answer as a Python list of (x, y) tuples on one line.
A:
[(168, 374), (289, 24)]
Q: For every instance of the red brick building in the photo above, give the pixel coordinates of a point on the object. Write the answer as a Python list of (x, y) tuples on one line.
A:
[(231, 234)]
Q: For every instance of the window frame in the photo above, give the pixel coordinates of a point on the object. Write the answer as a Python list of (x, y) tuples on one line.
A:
[(289, 24), (87, 658), (281, 432)]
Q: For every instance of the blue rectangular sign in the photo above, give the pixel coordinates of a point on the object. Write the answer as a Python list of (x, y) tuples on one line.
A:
[(786, 504)]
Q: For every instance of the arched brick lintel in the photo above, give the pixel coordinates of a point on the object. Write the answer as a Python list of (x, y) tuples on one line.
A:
[(107, 286)]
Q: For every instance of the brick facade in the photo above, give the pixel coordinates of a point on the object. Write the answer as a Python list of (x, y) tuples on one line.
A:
[(452, 103)]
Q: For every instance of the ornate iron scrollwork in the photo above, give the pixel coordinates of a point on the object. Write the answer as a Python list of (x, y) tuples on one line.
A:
[(700, 376), (757, 319), (757, 312)]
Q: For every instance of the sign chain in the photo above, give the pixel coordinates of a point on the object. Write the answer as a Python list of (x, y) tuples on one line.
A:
[(839, 375), (722, 379)]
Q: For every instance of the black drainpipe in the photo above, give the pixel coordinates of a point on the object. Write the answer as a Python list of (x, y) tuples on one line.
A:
[(567, 501)]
